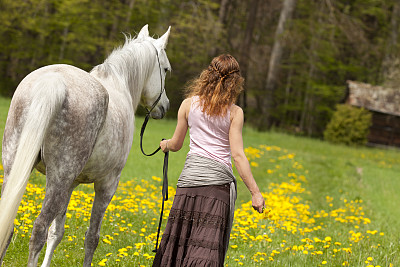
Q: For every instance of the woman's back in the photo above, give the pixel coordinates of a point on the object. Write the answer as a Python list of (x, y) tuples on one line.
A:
[(201, 217), (209, 135)]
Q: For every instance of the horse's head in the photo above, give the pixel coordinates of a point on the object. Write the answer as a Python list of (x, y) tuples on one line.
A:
[(154, 88)]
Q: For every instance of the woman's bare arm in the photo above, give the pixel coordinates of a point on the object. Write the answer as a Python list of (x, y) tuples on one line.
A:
[(175, 143), (241, 163)]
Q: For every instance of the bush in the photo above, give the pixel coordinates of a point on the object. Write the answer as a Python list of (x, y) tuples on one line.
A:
[(349, 125)]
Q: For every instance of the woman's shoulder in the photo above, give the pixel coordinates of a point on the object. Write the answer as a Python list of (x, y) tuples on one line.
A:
[(185, 106), (236, 111), (187, 102)]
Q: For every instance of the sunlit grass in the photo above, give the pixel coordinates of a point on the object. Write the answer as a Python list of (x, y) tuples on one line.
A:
[(293, 233), (326, 206), (289, 232)]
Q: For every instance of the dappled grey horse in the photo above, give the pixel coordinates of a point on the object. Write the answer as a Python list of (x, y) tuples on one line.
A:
[(77, 127)]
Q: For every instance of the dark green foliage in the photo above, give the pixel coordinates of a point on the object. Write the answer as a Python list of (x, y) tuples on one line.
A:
[(325, 44), (349, 125), (328, 43)]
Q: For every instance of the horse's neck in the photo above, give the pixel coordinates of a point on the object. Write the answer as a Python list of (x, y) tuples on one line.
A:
[(125, 73), (113, 86)]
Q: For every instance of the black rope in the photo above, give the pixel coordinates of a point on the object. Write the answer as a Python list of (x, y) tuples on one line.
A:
[(166, 155), (165, 176), (164, 195), (146, 120)]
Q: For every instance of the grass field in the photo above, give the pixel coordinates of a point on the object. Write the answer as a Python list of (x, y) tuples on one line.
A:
[(328, 205)]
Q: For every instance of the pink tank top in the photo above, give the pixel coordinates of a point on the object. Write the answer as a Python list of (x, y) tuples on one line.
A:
[(209, 136)]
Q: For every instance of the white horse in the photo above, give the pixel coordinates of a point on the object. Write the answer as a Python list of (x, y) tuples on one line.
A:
[(77, 127)]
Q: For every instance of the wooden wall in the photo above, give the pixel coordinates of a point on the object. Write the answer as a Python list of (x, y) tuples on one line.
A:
[(385, 130)]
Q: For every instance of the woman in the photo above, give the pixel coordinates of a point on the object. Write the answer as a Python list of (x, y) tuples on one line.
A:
[(200, 221)]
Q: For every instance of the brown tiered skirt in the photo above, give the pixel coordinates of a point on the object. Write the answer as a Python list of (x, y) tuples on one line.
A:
[(196, 228)]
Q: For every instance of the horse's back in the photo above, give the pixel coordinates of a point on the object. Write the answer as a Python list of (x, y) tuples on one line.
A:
[(71, 76), (77, 83), (75, 123)]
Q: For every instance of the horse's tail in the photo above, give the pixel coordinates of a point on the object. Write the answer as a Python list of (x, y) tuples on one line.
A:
[(48, 96)]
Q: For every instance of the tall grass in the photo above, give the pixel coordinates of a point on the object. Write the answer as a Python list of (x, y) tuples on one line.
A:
[(328, 205)]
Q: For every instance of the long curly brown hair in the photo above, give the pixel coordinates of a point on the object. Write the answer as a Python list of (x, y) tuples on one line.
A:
[(218, 86)]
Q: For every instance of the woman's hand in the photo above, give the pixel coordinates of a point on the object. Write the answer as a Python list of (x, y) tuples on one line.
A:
[(258, 202), (164, 145)]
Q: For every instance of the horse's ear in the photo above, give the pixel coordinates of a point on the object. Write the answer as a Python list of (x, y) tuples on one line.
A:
[(163, 40), (144, 32)]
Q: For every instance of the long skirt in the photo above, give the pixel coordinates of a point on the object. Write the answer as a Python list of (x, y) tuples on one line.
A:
[(196, 228)]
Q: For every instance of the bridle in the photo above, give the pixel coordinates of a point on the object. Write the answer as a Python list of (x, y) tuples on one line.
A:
[(146, 119), (166, 154)]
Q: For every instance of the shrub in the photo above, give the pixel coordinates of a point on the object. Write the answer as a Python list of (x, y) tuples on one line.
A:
[(349, 125)]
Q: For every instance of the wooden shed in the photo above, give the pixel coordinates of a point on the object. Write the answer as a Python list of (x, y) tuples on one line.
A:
[(384, 103)]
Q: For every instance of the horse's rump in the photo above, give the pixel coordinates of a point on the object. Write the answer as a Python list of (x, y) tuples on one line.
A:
[(84, 101)]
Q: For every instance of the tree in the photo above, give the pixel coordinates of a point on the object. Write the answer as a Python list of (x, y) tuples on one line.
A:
[(296, 55), (391, 65), (244, 57), (274, 63)]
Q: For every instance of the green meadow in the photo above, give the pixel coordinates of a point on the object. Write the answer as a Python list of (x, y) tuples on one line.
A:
[(327, 205)]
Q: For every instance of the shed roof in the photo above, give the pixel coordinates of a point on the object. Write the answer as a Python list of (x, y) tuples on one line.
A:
[(374, 98)]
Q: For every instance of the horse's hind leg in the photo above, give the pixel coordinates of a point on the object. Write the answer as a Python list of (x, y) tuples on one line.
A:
[(56, 232), (63, 165), (104, 191), (54, 204)]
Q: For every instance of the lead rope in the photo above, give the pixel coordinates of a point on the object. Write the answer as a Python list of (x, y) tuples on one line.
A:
[(165, 175), (166, 155)]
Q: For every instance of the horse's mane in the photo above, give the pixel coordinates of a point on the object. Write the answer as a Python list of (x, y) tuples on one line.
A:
[(129, 62)]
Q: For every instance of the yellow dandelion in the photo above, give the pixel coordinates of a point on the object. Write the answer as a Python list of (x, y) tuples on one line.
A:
[(102, 262)]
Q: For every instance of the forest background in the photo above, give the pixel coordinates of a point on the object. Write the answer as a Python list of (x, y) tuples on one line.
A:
[(295, 55)]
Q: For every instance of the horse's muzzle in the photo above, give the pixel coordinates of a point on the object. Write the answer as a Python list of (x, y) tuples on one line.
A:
[(159, 111)]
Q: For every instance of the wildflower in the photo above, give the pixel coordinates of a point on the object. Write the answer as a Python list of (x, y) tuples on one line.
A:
[(254, 164), (102, 262), (288, 213)]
